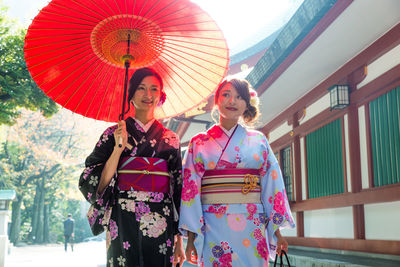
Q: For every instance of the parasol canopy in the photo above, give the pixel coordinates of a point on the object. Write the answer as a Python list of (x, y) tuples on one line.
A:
[(76, 51)]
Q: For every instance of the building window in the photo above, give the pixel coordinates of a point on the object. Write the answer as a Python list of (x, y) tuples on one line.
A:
[(277, 156), (286, 164), (325, 174), (385, 137)]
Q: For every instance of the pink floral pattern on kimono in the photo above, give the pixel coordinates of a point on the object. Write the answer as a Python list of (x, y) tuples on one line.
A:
[(233, 234)]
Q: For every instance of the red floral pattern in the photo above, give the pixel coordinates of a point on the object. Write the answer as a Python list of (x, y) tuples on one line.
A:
[(189, 190), (279, 203)]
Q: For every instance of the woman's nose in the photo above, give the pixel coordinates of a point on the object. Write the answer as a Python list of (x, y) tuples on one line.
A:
[(148, 93)]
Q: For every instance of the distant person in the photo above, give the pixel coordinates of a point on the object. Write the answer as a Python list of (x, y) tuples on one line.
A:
[(69, 224)]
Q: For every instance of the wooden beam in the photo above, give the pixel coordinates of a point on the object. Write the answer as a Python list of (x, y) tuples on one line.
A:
[(381, 46), (379, 86), (370, 246), (388, 193)]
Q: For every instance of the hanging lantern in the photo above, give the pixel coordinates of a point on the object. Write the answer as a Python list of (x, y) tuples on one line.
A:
[(339, 95)]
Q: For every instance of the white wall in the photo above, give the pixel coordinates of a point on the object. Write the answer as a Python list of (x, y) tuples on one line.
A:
[(281, 130), (329, 223), (346, 142), (363, 148), (317, 107), (290, 232), (382, 65), (303, 169), (382, 221)]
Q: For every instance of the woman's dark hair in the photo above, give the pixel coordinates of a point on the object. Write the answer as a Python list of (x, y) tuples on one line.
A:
[(245, 90), (137, 78)]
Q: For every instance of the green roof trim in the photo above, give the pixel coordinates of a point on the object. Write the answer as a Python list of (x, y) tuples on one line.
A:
[(261, 45), (303, 21), (7, 194)]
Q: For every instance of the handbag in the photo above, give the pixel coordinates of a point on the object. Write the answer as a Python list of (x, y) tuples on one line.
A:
[(287, 259)]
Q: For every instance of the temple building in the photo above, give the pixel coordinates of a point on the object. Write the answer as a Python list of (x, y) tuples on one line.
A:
[(329, 87)]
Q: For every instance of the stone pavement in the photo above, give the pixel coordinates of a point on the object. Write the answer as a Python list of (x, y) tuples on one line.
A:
[(314, 257), (87, 254), (92, 254)]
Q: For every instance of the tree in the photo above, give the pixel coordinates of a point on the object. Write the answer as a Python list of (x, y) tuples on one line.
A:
[(42, 159), (17, 88)]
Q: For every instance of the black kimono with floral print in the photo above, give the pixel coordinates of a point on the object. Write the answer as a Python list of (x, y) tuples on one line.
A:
[(128, 216)]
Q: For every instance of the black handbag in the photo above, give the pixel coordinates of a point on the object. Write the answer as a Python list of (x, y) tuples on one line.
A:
[(287, 259)]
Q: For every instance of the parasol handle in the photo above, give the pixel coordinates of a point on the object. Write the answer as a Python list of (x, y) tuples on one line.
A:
[(127, 65)]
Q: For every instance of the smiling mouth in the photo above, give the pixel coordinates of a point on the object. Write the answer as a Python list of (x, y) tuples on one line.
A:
[(147, 102), (231, 108)]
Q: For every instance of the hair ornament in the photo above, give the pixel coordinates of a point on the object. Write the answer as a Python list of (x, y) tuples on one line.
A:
[(253, 93), (254, 101)]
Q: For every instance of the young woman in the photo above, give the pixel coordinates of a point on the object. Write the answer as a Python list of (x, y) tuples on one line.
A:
[(233, 197), (133, 177)]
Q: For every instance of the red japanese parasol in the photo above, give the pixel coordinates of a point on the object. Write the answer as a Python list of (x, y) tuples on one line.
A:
[(81, 52)]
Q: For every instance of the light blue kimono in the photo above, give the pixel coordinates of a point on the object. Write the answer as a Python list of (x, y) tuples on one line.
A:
[(233, 234)]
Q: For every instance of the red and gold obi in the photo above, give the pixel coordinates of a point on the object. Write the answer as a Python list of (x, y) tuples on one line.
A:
[(143, 174), (225, 186)]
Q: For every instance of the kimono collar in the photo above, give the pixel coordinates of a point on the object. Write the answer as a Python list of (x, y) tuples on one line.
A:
[(228, 132), (146, 126)]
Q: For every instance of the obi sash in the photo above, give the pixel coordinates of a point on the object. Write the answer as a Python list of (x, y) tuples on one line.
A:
[(229, 186), (143, 174)]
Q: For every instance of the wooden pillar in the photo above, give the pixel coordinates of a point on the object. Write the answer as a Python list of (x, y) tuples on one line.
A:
[(297, 177), (354, 154)]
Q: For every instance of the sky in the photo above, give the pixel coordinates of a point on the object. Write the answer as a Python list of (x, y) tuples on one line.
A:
[(243, 22)]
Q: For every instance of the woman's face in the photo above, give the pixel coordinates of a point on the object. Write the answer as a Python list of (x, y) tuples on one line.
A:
[(230, 104), (147, 95)]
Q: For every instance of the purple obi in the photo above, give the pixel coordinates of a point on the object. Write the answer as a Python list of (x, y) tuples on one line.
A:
[(143, 174)]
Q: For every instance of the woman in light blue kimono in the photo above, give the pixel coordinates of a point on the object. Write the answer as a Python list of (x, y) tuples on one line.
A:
[(233, 198)]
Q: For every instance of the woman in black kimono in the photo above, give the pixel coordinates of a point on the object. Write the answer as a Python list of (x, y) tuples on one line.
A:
[(133, 180)]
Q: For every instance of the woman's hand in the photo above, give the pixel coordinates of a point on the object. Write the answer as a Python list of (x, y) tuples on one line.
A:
[(112, 162), (120, 136), (179, 253), (281, 244), (191, 252)]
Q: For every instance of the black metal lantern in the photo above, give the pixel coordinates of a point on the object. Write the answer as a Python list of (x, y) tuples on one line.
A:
[(340, 96)]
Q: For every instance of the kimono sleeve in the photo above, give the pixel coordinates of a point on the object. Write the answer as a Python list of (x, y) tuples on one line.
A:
[(175, 169), (191, 215), (94, 164), (274, 199)]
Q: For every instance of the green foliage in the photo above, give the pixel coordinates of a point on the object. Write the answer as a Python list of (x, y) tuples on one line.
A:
[(17, 88), (9, 164), (42, 158)]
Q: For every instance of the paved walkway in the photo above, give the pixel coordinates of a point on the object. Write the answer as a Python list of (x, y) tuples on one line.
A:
[(308, 257), (88, 254), (92, 254)]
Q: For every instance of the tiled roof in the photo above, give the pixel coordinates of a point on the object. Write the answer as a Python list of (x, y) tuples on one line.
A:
[(302, 22), (263, 44)]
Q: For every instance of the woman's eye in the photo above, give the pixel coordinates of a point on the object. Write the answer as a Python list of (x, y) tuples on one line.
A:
[(140, 88), (154, 89), (239, 97), (225, 94)]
